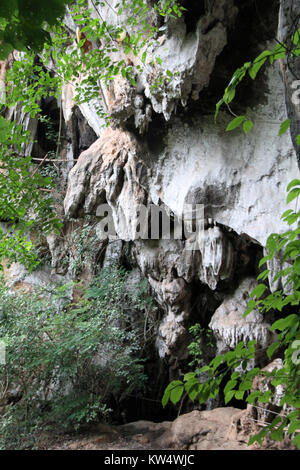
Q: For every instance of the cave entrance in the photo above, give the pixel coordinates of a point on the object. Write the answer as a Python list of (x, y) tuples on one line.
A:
[(194, 10), (47, 133)]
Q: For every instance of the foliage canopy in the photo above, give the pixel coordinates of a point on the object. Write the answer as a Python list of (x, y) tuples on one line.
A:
[(44, 39), (22, 23)]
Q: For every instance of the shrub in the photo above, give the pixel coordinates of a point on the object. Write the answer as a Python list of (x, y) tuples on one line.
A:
[(66, 361)]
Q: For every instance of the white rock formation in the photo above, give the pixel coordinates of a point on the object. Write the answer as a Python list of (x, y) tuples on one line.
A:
[(229, 324), (239, 179), (228, 171), (190, 57)]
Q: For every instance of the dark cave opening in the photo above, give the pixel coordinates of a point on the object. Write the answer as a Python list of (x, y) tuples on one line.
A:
[(78, 132), (194, 10), (204, 303), (82, 136), (255, 24), (47, 129), (147, 406), (157, 133)]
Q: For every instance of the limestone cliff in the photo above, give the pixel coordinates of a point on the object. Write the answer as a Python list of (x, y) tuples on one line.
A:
[(164, 149)]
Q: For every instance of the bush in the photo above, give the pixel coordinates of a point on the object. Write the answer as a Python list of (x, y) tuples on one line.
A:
[(65, 362)]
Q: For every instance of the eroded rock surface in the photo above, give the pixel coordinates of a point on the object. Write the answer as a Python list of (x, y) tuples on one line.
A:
[(230, 326), (113, 172), (164, 149), (219, 429)]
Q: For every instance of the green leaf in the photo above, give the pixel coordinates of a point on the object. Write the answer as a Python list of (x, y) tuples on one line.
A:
[(235, 375), (259, 437), (229, 95), (229, 395), (277, 53), (296, 441), (294, 182), (296, 37), (230, 385), (292, 195), (189, 376), (216, 362), (266, 396), (276, 421), (192, 388), (253, 396), (263, 275), (166, 397), (296, 266), (173, 392), (204, 369), (277, 434), (230, 357), (293, 414), (247, 126), (284, 323), (5, 130), (235, 123), (251, 307), (258, 63), (263, 260), (176, 394), (287, 213), (258, 291), (294, 426), (239, 395), (284, 127), (245, 385), (218, 105), (272, 348)]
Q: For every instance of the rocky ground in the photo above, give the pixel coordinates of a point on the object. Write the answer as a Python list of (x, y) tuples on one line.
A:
[(219, 429)]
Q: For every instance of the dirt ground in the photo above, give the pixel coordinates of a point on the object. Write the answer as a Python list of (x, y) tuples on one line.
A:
[(219, 429)]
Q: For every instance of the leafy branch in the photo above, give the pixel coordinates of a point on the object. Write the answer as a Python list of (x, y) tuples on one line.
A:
[(279, 52)]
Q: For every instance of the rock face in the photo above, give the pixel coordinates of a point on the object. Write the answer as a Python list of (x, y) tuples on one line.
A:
[(238, 180), (228, 172), (110, 171), (191, 56), (198, 165), (163, 160), (114, 171), (290, 67)]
